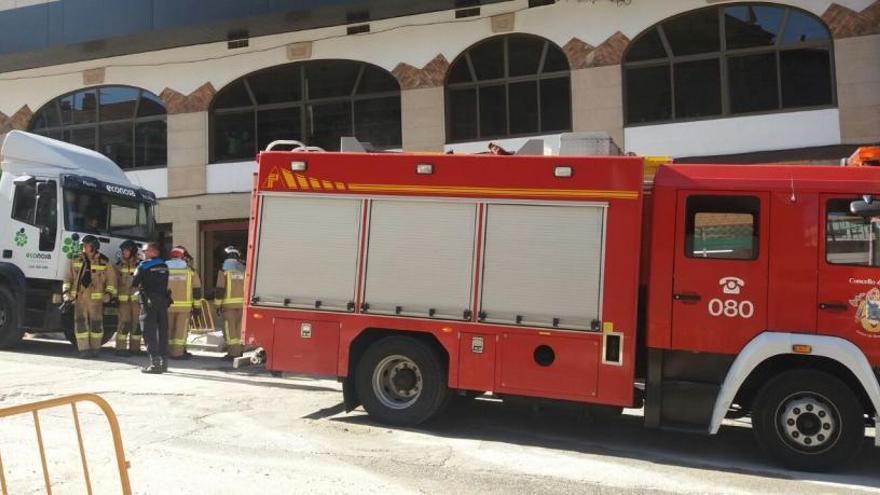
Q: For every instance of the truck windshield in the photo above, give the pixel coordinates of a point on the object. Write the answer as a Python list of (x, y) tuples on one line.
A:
[(104, 214)]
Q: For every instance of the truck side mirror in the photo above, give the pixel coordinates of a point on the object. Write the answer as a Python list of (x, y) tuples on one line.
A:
[(865, 207)]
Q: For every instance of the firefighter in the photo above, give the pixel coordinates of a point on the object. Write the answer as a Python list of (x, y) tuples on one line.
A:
[(228, 299), (128, 332), (186, 294), (151, 283), (90, 283)]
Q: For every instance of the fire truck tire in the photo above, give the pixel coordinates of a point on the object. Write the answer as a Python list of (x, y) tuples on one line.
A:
[(401, 381), (808, 420), (10, 333)]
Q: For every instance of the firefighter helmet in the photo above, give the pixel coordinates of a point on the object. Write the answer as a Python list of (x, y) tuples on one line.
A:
[(130, 245), (232, 252), (177, 252), (92, 241)]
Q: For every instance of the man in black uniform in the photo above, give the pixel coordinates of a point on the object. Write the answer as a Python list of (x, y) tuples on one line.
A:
[(151, 282)]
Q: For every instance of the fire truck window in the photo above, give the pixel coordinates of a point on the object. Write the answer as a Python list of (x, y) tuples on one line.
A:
[(521, 88), (25, 202), (724, 61), (851, 239), (722, 227)]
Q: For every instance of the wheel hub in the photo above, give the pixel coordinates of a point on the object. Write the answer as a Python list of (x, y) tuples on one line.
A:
[(397, 382), (809, 422)]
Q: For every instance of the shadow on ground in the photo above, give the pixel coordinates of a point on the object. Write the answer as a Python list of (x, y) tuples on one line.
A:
[(732, 450)]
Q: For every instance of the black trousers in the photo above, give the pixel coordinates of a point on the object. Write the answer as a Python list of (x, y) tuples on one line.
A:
[(154, 325)]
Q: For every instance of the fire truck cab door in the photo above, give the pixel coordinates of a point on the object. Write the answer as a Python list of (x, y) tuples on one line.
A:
[(720, 270), (849, 275)]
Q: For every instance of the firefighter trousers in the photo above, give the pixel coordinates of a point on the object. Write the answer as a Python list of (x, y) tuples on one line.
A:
[(178, 327), (154, 326), (88, 323), (232, 330), (128, 332)]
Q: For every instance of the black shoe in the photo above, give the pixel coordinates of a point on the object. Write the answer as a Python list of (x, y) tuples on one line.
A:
[(123, 353), (85, 354), (180, 358), (154, 368), (163, 363), (95, 353)]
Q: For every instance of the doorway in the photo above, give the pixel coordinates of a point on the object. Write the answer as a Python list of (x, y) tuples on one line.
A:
[(216, 236)]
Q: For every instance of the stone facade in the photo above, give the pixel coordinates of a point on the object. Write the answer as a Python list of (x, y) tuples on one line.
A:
[(847, 23), (582, 55), (858, 88), (19, 120), (432, 75), (197, 101)]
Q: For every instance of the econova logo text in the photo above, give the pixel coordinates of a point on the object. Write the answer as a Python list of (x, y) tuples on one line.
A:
[(121, 190), (38, 256)]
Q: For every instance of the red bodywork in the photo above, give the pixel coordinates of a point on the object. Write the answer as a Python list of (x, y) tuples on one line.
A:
[(784, 285)]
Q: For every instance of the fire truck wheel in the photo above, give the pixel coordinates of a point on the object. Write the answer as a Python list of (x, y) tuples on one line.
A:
[(808, 420), (401, 381), (9, 331)]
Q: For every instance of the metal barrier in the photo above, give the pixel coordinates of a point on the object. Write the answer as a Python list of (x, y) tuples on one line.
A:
[(72, 400), (203, 322)]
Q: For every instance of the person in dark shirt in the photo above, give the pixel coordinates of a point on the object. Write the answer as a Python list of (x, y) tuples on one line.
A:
[(151, 282)]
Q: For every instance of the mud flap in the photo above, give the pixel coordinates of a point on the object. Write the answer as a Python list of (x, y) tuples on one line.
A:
[(349, 394)]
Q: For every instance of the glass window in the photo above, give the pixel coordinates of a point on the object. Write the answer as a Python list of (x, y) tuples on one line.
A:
[(753, 85), (694, 33), (522, 88), (722, 227), (851, 239), (316, 102), (770, 58), (698, 88), (806, 77), (749, 26), (648, 94), (113, 120), (94, 213), (24, 204), (649, 46), (463, 105), (234, 137), (802, 27)]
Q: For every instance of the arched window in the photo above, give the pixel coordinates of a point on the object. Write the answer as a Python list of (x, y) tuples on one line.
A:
[(513, 85), (126, 124), (727, 61), (315, 102)]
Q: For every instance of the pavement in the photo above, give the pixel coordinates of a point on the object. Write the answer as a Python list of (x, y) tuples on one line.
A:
[(205, 428)]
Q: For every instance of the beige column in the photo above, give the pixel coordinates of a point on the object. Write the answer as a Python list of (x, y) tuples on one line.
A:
[(597, 101), (857, 62), (187, 154), (423, 119)]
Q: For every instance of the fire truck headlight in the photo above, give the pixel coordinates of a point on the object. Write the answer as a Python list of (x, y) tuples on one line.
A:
[(298, 166), (563, 172)]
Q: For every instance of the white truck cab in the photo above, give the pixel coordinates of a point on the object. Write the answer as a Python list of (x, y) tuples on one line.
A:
[(51, 195)]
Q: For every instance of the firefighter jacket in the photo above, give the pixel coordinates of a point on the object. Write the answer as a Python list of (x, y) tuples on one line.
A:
[(229, 291), (124, 275), (185, 286), (90, 278)]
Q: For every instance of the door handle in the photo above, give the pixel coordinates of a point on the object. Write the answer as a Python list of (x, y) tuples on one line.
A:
[(687, 298), (833, 306)]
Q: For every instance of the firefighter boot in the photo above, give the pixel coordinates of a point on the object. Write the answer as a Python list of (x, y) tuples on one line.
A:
[(155, 366), (163, 363)]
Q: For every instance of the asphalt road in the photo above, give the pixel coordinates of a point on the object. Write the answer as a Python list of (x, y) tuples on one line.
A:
[(208, 429)]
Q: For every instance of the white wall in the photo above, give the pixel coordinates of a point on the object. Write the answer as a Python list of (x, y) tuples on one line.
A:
[(737, 135), (231, 177), (151, 179)]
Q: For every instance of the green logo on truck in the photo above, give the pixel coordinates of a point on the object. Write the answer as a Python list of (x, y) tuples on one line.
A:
[(20, 238), (70, 248)]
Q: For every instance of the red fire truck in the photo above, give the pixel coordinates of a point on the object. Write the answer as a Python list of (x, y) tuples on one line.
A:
[(708, 292)]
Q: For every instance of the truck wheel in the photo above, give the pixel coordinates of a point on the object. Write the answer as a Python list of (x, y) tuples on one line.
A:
[(808, 420), (10, 333), (401, 381)]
